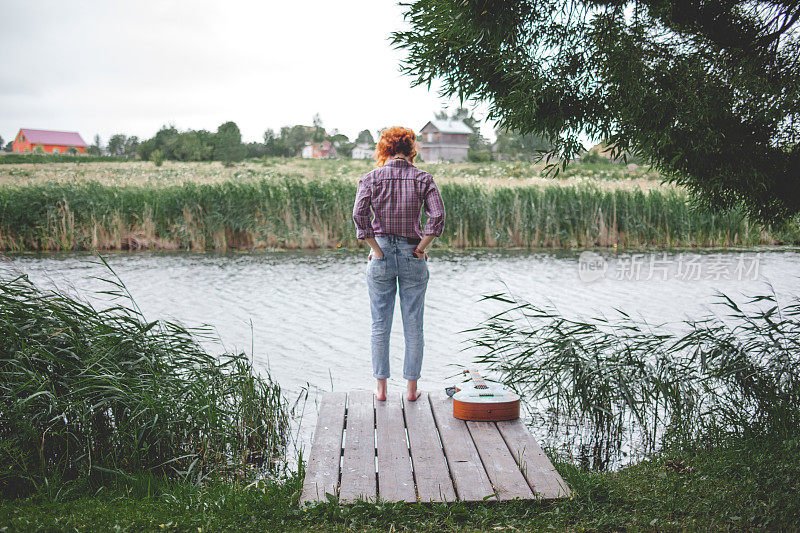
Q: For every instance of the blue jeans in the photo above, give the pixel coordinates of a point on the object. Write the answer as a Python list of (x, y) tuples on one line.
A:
[(397, 268)]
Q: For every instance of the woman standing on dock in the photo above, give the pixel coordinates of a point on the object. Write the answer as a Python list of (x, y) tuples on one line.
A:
[(387, 215)]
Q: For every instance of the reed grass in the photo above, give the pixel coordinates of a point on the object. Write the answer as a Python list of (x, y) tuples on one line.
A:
[(609, 383), (89, 394), (293, 211)]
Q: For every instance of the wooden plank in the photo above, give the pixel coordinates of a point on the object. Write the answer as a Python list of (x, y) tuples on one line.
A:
[(505, 475), (536, 467), (430, 465), (395, 480), (358, 465), (322, 470), (469, 476)]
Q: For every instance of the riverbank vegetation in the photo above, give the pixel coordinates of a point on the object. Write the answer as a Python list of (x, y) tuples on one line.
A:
[(90, 396), (619, 384), (308, 204), (78, 383)]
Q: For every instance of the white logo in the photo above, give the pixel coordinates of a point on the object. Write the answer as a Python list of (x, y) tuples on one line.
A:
[(591, 266)]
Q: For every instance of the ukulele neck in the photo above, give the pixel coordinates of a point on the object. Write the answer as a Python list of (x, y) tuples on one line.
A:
[(478, 380)]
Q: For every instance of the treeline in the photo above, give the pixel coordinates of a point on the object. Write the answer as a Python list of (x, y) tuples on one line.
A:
[(195, 145), (226, 143)]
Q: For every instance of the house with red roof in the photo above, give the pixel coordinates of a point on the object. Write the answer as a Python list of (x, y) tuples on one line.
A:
[(50, 142)]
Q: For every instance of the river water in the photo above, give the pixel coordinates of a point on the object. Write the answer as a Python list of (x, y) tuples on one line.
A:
[(305, 315)]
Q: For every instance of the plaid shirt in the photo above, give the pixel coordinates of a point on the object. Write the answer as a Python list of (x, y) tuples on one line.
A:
[(395, 193)]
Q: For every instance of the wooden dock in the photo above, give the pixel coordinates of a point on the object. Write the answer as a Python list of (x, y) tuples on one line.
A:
[(417, 451)]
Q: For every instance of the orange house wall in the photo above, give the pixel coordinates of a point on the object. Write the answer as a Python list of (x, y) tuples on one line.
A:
[(48, 148)]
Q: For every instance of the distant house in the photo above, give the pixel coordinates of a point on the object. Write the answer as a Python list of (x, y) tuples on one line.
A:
[(323, 150), (363, 151), (51, 142), (444, 140)]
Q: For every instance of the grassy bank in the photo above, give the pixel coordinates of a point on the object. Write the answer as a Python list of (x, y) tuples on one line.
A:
[(257, 209), (742, 485)]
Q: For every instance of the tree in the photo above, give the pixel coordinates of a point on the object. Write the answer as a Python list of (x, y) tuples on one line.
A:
[(96, 148), (365, 137), (193, 145), (1, 140), (707, 92), (255, 149), (228, 146), (269, 142), (116, 144), (131, 146), (512, 145), (190, 145), (9, 147), (341, 143), (319, 131), (164, 140), (146, 149), (293, 138)]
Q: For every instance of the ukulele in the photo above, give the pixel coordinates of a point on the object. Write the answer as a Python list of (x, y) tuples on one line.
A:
[(484, 401)]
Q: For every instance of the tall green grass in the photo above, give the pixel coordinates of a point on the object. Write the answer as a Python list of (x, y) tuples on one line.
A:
[(604, 381), (88, 394), (290, 212)]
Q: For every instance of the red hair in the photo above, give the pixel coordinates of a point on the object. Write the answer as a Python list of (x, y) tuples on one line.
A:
[(396, 140)]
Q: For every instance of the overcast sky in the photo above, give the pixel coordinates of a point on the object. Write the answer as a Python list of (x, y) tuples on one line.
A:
[(130, 67)]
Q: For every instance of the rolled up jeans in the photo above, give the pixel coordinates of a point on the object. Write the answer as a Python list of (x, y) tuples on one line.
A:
[(398, 268)]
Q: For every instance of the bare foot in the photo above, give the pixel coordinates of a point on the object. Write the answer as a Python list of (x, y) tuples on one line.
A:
[(380, 390), (413, 398)]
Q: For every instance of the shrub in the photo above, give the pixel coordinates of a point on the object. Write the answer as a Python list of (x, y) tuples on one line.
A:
[(157, 157), (595, 158), (479, 156)]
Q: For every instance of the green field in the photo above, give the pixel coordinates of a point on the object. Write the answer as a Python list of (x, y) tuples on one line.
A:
[(294, 203)]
